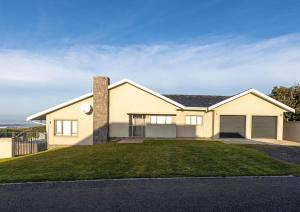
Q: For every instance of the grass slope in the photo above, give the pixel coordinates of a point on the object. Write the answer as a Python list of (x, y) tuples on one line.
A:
[(151, 159)]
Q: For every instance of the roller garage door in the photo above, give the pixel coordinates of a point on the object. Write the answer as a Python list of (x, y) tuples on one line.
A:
[(264, 127), (232, 126)]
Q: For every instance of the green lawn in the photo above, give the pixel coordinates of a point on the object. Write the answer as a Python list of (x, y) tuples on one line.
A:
[(150, 159)]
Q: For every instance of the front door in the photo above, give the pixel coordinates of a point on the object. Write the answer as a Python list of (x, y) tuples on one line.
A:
[(137, 125)]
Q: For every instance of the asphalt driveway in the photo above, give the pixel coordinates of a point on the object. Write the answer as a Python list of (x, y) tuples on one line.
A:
[(183, 194), (286, 153)]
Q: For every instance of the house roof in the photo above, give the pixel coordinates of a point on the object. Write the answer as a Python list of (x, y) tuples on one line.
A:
[(186, 102), (257, 93), (196, 100), (41, 115), (147, 90)]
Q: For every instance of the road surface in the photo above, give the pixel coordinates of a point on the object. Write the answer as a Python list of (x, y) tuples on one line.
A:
[(177, 194)]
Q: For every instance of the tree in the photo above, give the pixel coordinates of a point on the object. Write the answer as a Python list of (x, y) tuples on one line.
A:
[(291, 97)]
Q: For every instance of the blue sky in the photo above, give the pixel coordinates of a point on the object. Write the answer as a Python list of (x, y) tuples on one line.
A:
[(49, 50)]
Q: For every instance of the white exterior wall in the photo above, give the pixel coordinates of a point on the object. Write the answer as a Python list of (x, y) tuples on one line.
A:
[(127, 99), (161, 131)]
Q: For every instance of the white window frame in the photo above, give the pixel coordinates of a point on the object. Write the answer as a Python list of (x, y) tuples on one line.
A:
[(153, 119), (62, 132), (161, 119), (193, 120), (169, 120), (74, 128), (199, 120), (58, 127), (67, 128)]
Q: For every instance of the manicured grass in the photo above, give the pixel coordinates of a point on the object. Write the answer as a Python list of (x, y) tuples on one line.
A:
[(151, 159)]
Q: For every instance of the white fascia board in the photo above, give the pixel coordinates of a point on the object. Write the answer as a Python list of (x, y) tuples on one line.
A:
[(195, 108), (147, 90), (256, 92), (44, 112)]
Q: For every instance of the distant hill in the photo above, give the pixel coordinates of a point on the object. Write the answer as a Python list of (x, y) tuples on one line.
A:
[(13, 121)]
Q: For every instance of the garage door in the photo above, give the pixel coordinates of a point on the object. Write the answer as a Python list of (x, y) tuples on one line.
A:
[(232, 126), (264, 126)]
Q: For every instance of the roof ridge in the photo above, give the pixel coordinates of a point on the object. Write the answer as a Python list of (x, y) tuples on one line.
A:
[(196, 95)]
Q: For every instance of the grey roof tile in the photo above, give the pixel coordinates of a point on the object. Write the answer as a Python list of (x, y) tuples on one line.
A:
[(196, 100)]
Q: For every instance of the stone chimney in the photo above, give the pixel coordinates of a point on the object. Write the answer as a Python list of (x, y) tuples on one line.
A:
[(100, 109)]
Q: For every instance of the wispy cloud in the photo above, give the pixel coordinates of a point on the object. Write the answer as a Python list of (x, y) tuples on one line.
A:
[(222, 67)]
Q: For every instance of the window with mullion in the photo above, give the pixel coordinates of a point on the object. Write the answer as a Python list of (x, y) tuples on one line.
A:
[(193, 120), (161, 119), (66, 127)]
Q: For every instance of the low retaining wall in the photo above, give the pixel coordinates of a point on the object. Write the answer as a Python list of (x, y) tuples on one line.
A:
[(6, 148), (291, 131)]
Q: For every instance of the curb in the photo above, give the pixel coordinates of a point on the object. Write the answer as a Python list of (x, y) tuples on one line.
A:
[(150, 179)]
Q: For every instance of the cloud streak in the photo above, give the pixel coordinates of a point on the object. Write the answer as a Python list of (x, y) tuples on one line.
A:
[(222, 67)]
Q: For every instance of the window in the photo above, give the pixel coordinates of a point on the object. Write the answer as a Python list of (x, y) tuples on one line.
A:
[(161, 119), (74, 127), (193, 120), (58, 128), (168, 120), (66, 128), (199, 120), (153, 119)]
